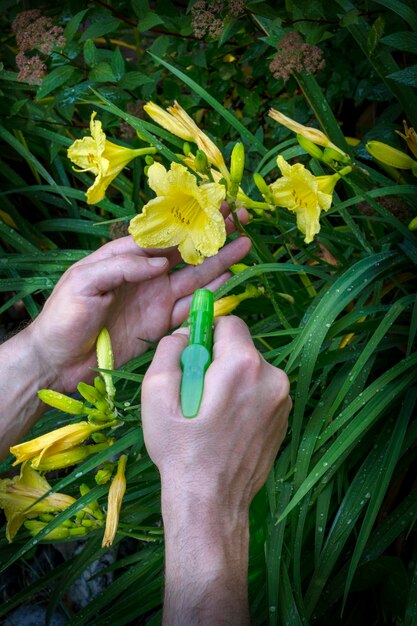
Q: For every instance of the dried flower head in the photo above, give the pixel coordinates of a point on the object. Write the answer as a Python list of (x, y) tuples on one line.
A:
[(35, 32), (207, 17), (31, 69), (294, 55)]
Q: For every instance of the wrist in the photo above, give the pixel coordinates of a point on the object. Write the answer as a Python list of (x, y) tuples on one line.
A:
[(206, 554), (23, 373)]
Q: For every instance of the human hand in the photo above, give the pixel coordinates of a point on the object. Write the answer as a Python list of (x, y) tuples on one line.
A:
[(211, 467), (225, 453), (130, 291)]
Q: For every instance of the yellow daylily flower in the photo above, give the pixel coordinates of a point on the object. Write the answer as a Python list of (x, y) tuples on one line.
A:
[(307, 195), (101, 157), (18, 495), (183, 214), (313, 134), (177, 121), (53, 443), (226, 305), (114, 503)]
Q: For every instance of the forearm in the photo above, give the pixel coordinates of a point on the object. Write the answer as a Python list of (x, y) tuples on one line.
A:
[(206, 553), (22, 373)]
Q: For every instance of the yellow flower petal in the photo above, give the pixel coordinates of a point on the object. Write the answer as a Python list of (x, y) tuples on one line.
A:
[(116, 493), (53, 442), (184, 215)]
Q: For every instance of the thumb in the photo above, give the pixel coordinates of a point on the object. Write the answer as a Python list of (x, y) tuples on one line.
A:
[(108, 274)]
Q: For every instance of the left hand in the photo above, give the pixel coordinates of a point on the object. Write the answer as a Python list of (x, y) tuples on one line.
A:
[(118, 287)]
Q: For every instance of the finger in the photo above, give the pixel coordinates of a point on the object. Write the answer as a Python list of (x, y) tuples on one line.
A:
[(107, 274), (231, 335), (190, 278), (164, 373), (123, 245), (182, 307)]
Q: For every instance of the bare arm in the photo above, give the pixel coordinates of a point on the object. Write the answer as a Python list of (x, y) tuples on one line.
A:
[(211, 467)]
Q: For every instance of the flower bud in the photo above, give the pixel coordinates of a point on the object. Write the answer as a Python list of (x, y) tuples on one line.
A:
[(88, 392), (389, 156), (238, 267), (61, 402), (100, 385), (201, 162), (186, 148), (263, 188), (105, 360), (330, 155), (237, 163), (311, 148), (104, 474), (149, 160), (226, 305), (413, 224)]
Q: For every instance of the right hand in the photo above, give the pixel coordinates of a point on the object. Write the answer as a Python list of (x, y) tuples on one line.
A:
[(223, 455)]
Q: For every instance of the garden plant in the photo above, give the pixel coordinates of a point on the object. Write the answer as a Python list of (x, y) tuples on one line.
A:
[(145, 118)]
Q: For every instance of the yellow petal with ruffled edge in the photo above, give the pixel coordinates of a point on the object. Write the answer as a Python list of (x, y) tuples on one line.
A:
[(184, 215)]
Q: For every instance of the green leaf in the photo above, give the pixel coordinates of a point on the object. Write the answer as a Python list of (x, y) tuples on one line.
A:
[(131, 80), (407, 76), (72, 27), (375, 33), (102, 24), (32, 160), (102, 73), (90, 53), (401, 9), (58, 77), (404, 40), (117, 64), (149, 21)]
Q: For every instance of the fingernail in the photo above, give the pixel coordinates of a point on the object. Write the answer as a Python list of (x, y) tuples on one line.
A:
[(157, 261)]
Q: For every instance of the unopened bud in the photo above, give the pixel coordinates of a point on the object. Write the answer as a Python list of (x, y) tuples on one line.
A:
[(238, 267), (88, 392), (413, 224), (201, 162), (311, 148), (104, 474), (100, 385), (237, 163), (332, 154), (263, 188), (61, 402), (390, 156), (149, 160), (105, 360), (186, 148)]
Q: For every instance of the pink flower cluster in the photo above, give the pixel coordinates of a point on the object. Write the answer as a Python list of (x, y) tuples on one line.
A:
[(294, 55), (35, 31), (207, 17)]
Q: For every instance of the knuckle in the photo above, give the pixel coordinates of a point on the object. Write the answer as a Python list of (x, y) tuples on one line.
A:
[(155, 380)]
